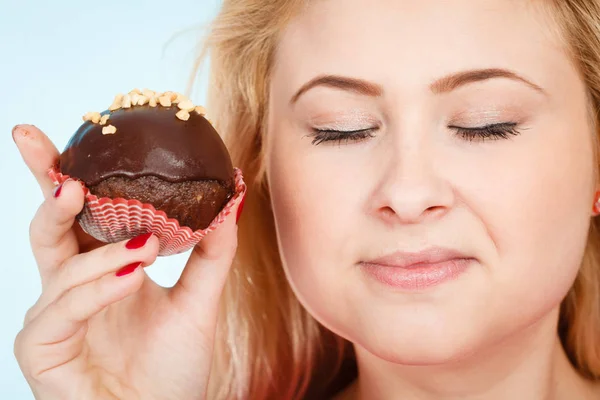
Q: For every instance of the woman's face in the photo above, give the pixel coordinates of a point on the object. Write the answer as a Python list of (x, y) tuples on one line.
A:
[(417, 81)]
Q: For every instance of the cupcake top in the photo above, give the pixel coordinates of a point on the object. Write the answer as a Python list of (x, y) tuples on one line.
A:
[(144, 133)]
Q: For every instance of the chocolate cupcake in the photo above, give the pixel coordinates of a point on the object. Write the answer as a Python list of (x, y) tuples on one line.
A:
[(154, 151)]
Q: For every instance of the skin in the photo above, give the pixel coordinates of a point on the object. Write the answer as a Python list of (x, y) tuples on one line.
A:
[(86, 312), (519, 206)]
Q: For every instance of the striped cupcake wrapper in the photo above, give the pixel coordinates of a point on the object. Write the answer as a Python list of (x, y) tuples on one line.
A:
[(113, 220)]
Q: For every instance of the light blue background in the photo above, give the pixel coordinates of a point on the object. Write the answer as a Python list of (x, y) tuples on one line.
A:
[(58, 60)]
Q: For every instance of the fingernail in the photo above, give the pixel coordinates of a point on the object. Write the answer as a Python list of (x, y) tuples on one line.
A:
[(19, 130), (128, 269), (58, 189), (240, 209), (138, 241), (14, 130)]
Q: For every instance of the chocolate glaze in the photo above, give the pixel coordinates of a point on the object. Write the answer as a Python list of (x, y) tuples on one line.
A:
[(150, 141)]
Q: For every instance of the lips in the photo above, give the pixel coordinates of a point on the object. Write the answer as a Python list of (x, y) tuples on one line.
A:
[(432, 255), (417, 271)]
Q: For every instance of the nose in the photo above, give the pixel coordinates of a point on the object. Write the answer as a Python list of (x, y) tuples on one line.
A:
[(411, 188)]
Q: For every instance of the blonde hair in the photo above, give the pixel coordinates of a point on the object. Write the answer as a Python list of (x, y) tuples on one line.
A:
[(579, 324), (268, 346)]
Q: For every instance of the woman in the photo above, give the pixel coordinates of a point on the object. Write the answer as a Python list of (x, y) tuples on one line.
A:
[(423, 186)]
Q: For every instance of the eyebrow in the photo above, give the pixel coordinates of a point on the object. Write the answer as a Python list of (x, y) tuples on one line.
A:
[(454, 81), (340, 82), (442, 85)]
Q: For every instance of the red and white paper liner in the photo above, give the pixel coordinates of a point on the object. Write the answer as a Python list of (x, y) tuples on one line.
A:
[(113, 220)]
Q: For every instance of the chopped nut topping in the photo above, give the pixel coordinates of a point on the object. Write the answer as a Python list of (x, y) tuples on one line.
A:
[(109, 130), (142, 100), (116, 103), (126, 101), (148, 93), (186, 105), (183, 115), (96, 117), (134, 99), (165, 101), (92, 116), (181, 98), (138, 97)]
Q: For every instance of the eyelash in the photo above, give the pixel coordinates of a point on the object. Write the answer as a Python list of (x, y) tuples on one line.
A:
[(332, 135), (488, 132)]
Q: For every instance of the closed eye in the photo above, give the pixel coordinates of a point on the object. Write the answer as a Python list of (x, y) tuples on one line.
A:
[(339, 136), (496, 131)]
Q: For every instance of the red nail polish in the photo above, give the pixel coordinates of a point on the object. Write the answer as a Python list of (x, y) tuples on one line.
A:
[(128, 269), (240, 209), (58, 189), (138, 241)]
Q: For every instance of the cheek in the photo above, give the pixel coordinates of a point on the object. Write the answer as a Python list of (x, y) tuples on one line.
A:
[(315, 204), (536, 211)]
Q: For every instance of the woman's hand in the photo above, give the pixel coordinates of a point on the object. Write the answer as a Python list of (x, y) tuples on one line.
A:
[(98, 334)]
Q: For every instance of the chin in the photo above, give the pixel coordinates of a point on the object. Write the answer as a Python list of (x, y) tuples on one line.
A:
[(419, 353), (413, 335), (415, 347)]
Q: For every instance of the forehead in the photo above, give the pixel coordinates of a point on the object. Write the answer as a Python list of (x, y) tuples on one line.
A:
[(404, 42)]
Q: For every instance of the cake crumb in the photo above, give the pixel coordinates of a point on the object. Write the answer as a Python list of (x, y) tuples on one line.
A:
[(104, 119)]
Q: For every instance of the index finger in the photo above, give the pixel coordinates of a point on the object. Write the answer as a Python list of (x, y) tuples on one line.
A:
[(38, 152)]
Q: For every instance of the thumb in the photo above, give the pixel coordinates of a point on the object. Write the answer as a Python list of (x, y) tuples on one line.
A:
[(201, 283), (38, 152)]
